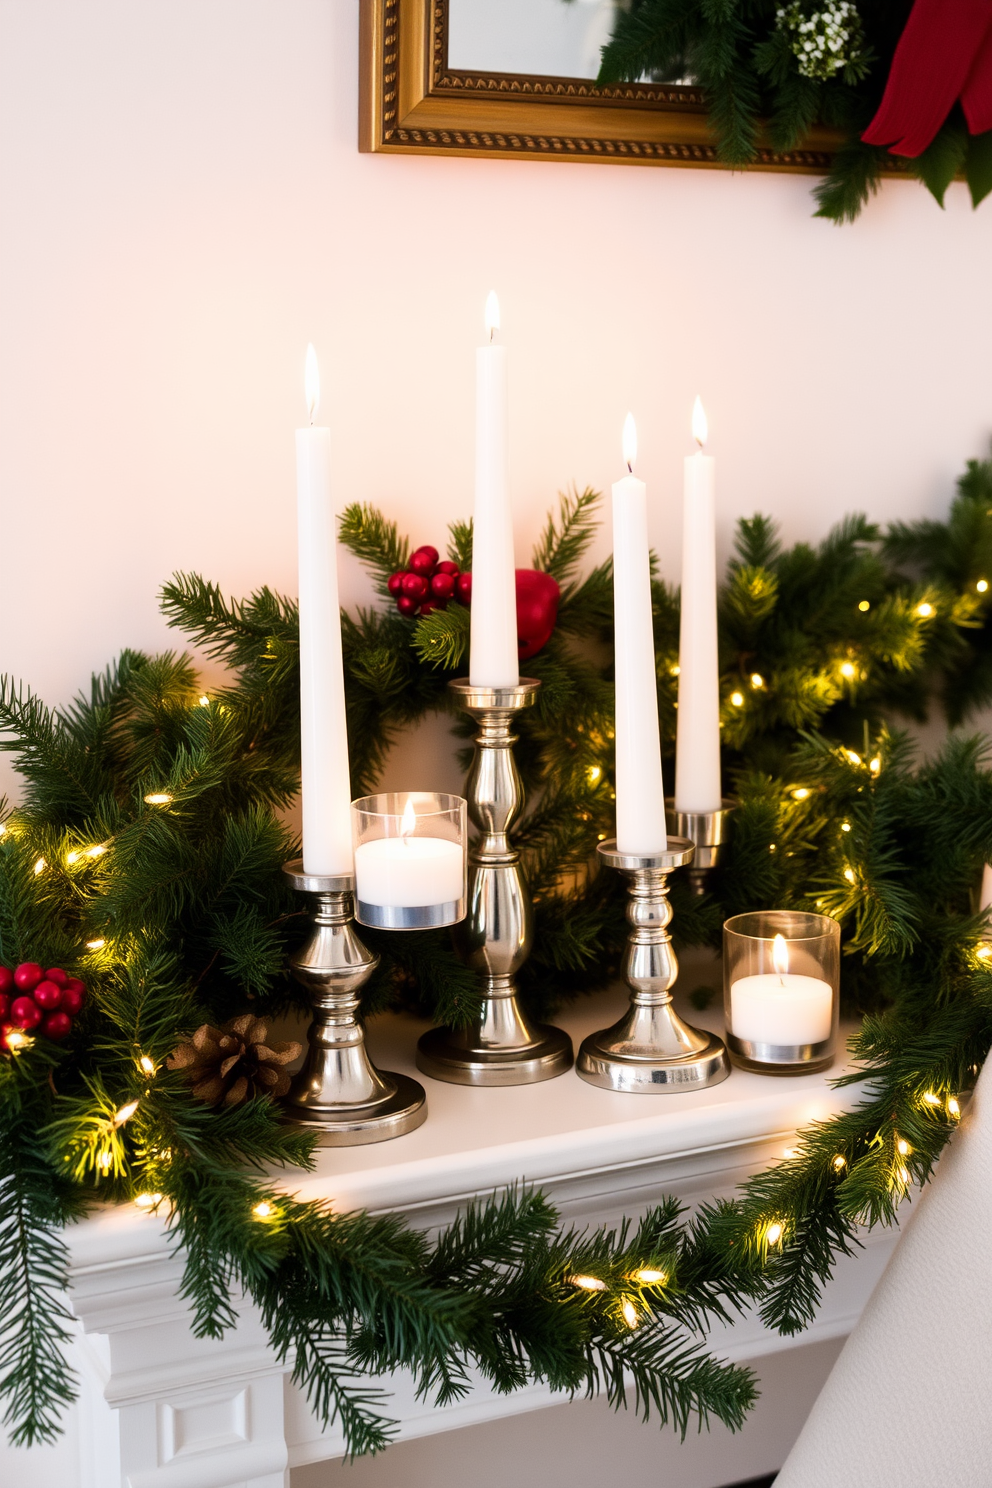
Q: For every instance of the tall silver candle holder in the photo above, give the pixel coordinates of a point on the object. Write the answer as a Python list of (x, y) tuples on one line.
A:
[(651, 1050), (501, 1046), (707, 831), (338, 1093)]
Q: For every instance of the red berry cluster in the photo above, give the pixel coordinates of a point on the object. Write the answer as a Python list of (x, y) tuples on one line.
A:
[(426, 585), (47, 998)]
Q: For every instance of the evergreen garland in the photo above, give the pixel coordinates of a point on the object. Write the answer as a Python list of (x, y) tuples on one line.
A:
[(146, 858), (771, 71)]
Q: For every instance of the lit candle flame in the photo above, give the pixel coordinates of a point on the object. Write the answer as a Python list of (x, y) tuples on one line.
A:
[(408, 824), (780, 956), (629, 442), (311, 382), (700, 428), (492, 314)]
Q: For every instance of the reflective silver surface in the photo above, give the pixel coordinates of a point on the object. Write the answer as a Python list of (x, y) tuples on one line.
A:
[(651, 1049), (338, 1093), (501, 1046), (707, 831), (409, 917), (781, 1059)]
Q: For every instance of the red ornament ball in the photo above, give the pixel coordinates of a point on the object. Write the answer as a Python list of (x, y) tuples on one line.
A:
[(428, 607), (25, 1013), (27, 976), (48, 995), (6, 980), (406, 605), (423, 561), (537, 610), (442, 586), (395, 583), (463, 588), (73, 998), (414, 586), (57, 975), (4, 1007), (57, 1025), (447, 567)]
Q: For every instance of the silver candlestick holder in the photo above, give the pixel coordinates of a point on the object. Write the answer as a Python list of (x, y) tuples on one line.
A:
[(707, 831), (338, 1093), (651, 1049), (501, 1046)]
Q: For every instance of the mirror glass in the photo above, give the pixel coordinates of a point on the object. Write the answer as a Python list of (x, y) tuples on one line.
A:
[(553, 38)]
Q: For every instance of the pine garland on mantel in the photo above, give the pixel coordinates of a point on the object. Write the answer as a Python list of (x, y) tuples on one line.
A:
[(145, 859)]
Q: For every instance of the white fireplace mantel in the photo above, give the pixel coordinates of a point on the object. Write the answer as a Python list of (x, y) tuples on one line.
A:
[(162, 1409)]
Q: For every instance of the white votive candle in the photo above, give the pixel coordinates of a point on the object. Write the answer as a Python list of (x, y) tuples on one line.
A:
[(781, 1010), (409, 872)]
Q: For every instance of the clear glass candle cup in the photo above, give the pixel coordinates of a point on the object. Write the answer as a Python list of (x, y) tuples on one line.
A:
[(410, 851), (781, 976)]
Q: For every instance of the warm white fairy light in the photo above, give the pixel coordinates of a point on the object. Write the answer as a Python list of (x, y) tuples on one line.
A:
[(147, 1200), (588, 1283), (158, 798), (40, 867), (97, 850), (737, 698), (982, 585), (105, 1159), (647, 1276), (845, 826), (800, 793), (924, 610), (264, 1210), (903, 1148), (73, 857), (125, 1113), (840, 1162), (773, 1234), (146, 1064), (204, 700), (875, 765), (864, 605), (953, 1109), (16, 1041), (847, 669), (595, 775), (757, 681), (629, 1313), (95, 945), (849, 875)]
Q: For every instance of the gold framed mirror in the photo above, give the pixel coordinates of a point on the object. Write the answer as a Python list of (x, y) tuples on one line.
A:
[(413, 101)]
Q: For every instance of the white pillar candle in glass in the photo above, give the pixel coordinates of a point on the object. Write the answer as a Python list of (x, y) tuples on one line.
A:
[(781, 1008), (640, 791), (493, 649), (323, 728), (697, 758), (409, 860)]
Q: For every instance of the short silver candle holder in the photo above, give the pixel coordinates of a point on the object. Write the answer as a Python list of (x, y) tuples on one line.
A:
[(651, 1050), (501, 1046), (339, 1094), (707, 831)]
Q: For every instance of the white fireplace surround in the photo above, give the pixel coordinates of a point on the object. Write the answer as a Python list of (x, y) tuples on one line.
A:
[(162, 1409)]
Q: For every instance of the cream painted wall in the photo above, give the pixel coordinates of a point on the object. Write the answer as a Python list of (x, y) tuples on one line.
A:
[(182, 206)]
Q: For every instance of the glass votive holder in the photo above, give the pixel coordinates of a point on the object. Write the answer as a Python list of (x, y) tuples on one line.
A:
[(410, 859), (781, 978)]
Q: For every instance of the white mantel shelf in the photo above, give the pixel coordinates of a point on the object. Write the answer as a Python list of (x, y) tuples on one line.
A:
[(162, 1409)]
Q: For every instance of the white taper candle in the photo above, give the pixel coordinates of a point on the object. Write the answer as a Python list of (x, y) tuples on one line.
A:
[(640, 791), (323, 728), (697, 758), (493, 653)]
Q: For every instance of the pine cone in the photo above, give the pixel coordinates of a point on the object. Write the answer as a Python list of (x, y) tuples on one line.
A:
[(226, 1065)]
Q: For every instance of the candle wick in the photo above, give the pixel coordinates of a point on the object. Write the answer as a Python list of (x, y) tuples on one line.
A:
[(630, 468)]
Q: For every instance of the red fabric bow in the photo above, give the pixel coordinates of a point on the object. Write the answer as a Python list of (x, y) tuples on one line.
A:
[(945, 53)]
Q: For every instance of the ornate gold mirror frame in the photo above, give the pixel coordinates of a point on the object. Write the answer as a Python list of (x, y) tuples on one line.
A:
[(412, 103)]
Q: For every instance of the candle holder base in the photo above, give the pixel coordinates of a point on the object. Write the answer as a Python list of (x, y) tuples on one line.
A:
[(780, 1059), (501, 1046), (463, 1057), (707, 831), (339, 1094), (651, 1050)]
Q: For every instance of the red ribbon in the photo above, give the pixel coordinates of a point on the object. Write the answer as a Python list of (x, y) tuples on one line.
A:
[(944, 54)]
